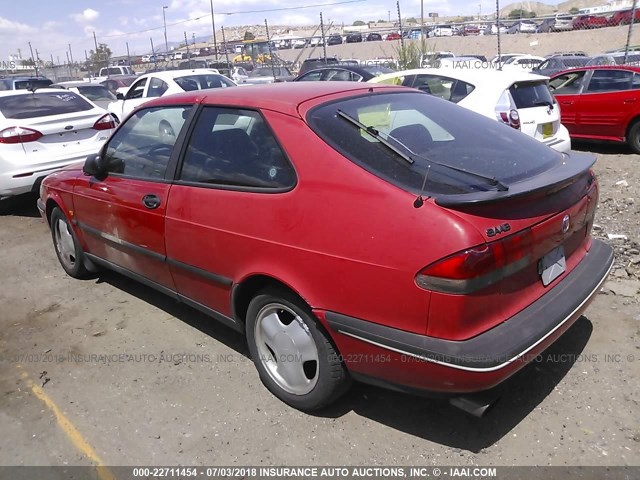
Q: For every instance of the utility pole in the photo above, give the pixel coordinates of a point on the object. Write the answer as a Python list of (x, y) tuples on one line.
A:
[(164, 19), (153, 51), (186, 44), (273, 67), (70, 53), (128, 56), (422, 25), (53, 68), (226, 52), (37, 57), (213, 26), (400, 25), (32, 59), (324, 41), (68, 65), (95, 42)]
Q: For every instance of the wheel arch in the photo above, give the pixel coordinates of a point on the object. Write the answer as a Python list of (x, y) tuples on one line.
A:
[(243, 291)]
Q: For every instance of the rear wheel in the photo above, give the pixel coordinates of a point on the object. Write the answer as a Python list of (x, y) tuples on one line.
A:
[(633, 138), (67, 247), (293, 355)]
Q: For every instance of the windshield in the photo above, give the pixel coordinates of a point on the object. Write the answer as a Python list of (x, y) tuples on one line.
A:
[(203, 82), (96, 92), (268, 72), (531, 94), (436, 135)]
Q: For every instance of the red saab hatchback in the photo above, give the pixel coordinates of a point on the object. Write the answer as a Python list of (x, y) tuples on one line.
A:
[(351, 232)]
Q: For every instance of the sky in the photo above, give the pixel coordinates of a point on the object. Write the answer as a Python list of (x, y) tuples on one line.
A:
[(65, 27)]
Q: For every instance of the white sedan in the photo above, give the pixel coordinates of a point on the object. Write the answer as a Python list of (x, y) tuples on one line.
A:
[(158, 84), (516, 98), (43, 131)]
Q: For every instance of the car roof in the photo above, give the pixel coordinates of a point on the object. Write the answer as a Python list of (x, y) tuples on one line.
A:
[(470, 75), (7, 93), (601, 67), (283, 97), (171, 74), (77, 83)]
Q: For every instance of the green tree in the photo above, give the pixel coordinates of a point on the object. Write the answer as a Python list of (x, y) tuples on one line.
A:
[(358, 23), (100, 58), (574, 10), (411, 20), (520, 13), (249, 36)]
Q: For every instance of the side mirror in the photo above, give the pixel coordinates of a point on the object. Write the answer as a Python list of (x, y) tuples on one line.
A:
[(119, 96), (94, 166)]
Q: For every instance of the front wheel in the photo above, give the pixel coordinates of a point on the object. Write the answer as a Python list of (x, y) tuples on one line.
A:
[(633, 139), (293, 355), (67, 247)]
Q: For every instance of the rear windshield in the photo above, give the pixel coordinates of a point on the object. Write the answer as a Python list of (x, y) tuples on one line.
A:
[(42, 104), (433, 133), (574, 62), (32, 83), (203, 82), (96, 92), (531, 94)]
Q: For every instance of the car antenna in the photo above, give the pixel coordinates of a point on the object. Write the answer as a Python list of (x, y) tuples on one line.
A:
[(419, 201)]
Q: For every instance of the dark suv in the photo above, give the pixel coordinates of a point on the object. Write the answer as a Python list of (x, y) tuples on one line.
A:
[(23, 82), (313, 63)]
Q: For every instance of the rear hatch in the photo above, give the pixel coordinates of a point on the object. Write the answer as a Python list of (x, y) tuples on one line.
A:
[(539, 113), (525, 254), (58, 126)]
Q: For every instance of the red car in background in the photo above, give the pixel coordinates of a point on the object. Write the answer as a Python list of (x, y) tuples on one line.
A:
[(393, 36), (624, 18), (350, 232), (600, 103), (584, 22)]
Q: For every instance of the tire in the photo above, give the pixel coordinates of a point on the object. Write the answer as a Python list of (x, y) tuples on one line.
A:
[(307, 374), (633, 139), (67, 247)]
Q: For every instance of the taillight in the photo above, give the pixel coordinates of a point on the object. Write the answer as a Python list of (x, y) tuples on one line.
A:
[(480, 266), (506, 111), (19, 135), (105, 122)]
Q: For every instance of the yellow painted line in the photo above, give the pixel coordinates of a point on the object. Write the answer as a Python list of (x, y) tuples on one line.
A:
[(69, 429)]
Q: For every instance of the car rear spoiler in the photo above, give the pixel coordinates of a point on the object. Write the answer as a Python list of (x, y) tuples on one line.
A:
[(572, 167)]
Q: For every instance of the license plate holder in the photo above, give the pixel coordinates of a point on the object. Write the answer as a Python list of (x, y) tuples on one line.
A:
[(547, 130), (552, 265)]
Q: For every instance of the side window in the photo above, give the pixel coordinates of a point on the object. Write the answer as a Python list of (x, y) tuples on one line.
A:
[(568, 84), (610, 81), (339, 75), (635, 83), (443, 87), (237, 148), (136, 90), (156, 87), (311, 76), (142, 146)]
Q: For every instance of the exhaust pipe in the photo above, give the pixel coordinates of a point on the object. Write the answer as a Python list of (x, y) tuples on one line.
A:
[(475, 404)]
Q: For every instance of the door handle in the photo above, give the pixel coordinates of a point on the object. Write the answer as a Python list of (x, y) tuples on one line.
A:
[(567, 103), (151, 201), (630, 100)]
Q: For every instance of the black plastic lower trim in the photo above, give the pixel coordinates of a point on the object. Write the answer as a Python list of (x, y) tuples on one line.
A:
[(229, 322), (504, 343)]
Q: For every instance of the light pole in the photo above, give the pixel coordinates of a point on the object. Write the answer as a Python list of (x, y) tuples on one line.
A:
[(213, 26), (164, 19)]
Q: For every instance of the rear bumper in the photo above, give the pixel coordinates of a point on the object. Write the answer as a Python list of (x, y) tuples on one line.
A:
[(561, 141), (429, 363)]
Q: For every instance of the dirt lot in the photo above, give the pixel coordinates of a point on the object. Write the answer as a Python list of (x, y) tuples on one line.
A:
[(123, 374)]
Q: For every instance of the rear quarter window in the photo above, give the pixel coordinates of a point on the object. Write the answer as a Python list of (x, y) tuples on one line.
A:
[(42, 105)]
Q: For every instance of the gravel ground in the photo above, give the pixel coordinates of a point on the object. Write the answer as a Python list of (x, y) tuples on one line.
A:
[(578, 405)]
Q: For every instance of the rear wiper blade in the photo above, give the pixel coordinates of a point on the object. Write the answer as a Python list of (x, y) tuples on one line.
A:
[(408, 158), (541, 103), (375, 134)]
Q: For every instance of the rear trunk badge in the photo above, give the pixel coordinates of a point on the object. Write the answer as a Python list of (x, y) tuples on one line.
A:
[(566, 222), (69, 127)]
